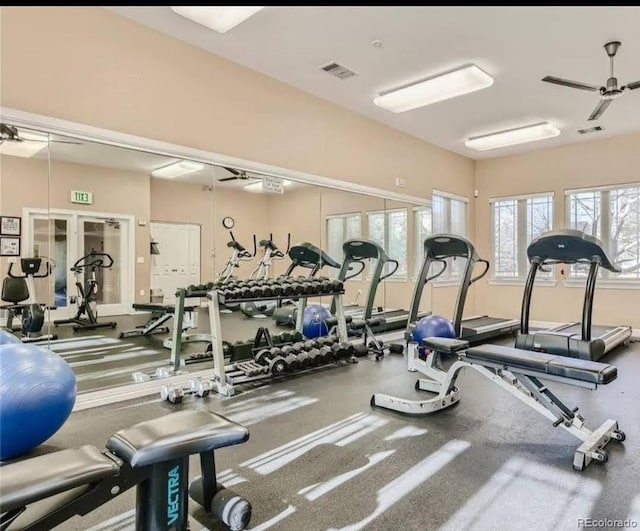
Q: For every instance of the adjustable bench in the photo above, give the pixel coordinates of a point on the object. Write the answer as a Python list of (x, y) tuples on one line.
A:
[(152, 455), (160, 314), (519, 372)]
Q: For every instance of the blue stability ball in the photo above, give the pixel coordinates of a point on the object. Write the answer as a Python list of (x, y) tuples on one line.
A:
[(314, 322), (7, 338), (37, 394), (432, 326)]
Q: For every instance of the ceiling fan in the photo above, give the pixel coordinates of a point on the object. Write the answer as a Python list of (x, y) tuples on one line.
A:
[(10, 133), (607, 93), (237, 175)]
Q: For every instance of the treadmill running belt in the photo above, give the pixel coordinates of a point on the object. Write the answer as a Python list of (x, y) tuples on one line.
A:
[(596, 331), (479, 322)]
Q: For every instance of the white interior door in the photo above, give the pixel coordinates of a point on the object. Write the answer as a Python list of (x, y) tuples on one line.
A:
[(178, 263), (67, 235), (109, 236)]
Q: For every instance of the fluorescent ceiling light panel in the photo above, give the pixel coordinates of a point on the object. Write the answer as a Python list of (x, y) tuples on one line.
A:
[(511, 137), (32, 143), (256, 188), (177, 169), (443, 87), (217, 18)]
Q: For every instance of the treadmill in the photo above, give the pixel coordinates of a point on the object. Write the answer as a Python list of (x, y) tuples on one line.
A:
[(576, 340), (478, 329), (356, 252), (304, 255)]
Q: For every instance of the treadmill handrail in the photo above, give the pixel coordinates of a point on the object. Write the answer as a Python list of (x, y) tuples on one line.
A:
[(391, 261), (444, 267), (352, 275), (486, 270)]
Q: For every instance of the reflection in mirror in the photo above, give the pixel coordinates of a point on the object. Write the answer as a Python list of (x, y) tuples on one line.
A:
[(24, 178), (271, 218), (403, 229), (352, 217)]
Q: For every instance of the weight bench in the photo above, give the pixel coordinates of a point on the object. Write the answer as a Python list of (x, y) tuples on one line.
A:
[(519, 372), (160, 314), (153, 456)]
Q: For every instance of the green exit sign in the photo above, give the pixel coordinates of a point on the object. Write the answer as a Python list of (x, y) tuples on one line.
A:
[(84, 198)]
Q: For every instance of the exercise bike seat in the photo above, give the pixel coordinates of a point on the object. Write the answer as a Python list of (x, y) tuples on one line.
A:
[(28, 481), (175, 436)]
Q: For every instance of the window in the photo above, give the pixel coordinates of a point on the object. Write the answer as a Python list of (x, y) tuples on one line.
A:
[(516, 221), (341, 228), (389, 230), (423, 229), (611, 214), (450, 216)]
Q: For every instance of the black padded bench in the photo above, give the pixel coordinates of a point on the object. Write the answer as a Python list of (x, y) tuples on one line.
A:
[(587, 371), (160, 314), (152, 455), (520, 373)]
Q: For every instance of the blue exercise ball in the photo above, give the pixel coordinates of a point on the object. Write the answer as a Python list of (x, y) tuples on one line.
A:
[(432, 326), (314, 321), (7, 338), (37, 394)]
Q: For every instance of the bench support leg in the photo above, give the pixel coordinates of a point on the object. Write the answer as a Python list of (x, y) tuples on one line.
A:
[(162, 499)]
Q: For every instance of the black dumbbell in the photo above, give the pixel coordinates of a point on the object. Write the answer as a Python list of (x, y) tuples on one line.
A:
[(343, 350), (272, 359), (327, 354), (302, 355), (276, 290), (336, 285), (285, 337), (310, 343), (316, 357), (290, 357), (297, 336)]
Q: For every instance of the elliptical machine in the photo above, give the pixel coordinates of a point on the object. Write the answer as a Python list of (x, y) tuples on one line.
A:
[(19, 291), (270, 252), (239, 254), (87, 290)]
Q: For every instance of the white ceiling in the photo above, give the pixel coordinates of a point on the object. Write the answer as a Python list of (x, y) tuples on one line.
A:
[(517, 46)]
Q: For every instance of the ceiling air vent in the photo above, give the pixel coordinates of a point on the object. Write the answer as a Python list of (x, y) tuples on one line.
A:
[(591, 130), (338, 70)]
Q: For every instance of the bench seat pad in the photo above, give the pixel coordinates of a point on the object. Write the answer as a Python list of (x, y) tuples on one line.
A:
[(175, 436), (573, 368), (29, 480)]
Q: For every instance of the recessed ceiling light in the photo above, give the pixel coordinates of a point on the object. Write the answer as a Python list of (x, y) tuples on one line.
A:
[(30, 144), (177, 169), (217, 18), (442, 87), (377, 43), (510, 137)]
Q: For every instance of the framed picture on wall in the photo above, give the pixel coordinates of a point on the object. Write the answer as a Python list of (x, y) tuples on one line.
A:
[(9, 246), (10, 226)]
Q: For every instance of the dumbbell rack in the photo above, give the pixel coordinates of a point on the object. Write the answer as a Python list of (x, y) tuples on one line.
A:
[(223, 384)]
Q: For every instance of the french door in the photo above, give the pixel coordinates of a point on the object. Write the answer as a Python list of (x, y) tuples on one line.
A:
[(64, 236)]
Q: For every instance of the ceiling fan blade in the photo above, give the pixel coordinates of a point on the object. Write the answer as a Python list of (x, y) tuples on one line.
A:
[(232, 170), (571, 84), (634, 85), (234, 178), (599, 110), (65, 142)]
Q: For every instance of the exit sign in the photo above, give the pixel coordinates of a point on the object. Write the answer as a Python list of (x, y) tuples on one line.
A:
[(84, 198)]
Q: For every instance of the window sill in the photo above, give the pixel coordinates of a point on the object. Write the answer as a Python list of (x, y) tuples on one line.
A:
[(549, 283), (446, 283), (604, 284)]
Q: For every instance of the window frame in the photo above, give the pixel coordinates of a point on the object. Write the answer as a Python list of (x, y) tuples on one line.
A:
[(343, 218), (605, 278), (523, 229), (450, 277), (418, 242), (397, 276)]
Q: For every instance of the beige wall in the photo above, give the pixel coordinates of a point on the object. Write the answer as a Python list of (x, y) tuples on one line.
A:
[(32, 183), (107, 71), (603, 162), (193, 203)]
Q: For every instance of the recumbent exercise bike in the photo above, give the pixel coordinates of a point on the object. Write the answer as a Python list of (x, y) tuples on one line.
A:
[(87, 288), (19, 291)]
